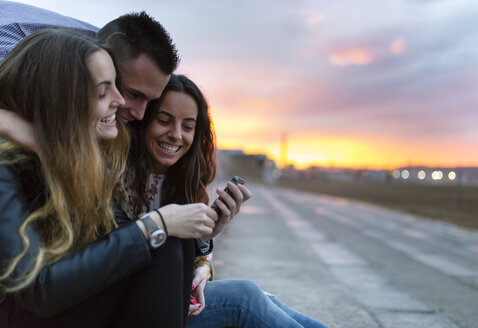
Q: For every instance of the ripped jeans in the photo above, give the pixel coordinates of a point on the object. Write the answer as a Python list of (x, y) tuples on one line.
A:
[(241, 303)]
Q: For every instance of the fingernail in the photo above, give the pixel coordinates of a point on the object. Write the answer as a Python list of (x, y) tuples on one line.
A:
[(200, 305), (193, 286)]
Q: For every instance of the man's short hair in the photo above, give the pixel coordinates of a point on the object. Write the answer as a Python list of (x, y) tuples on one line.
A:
[(134, 34)]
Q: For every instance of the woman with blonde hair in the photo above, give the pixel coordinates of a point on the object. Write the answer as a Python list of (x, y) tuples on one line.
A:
[(64, 262)]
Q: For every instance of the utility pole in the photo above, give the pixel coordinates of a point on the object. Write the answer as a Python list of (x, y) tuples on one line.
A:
[(283, 149)]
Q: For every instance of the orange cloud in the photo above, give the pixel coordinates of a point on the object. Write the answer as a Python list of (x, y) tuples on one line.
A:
[(354, 56), (397, 46)]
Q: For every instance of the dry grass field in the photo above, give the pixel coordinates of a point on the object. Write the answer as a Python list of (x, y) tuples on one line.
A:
[(450, 203)]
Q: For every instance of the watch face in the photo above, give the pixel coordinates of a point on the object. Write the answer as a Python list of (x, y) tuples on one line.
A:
[(157, 238)]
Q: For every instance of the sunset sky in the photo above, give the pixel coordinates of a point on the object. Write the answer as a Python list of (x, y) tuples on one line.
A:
[(369, 83)]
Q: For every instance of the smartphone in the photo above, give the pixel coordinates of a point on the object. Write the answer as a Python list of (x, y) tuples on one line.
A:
[(237, 181)]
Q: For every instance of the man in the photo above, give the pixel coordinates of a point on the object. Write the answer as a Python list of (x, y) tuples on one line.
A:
[(146, 58)]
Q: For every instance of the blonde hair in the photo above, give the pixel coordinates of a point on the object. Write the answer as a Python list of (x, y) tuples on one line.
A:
[(45, 79)]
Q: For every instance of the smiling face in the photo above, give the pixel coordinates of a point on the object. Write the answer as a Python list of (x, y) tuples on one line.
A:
[(108, 98), (141, 81), (171, 133)]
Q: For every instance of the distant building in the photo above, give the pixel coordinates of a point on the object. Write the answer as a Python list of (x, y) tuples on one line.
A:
[(235, 162)]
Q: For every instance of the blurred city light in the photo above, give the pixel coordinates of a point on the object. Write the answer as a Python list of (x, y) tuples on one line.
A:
[(422, 175), (405, 174), (396, 174), (452, 175), (437, 175)]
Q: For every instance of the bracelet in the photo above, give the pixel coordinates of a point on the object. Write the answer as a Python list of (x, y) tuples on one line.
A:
[(211, 268), (162, 220)]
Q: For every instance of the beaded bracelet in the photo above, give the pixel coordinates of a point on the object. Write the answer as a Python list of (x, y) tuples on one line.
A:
[(211, 268)]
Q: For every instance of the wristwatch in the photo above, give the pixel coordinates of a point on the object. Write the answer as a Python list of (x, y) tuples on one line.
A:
[(157, 235)]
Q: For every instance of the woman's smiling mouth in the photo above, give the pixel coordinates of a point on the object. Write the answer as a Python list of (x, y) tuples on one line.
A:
[(168, 148), (108, 119)]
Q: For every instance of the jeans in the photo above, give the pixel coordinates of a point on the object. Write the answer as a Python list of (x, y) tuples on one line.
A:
[(241, 303)]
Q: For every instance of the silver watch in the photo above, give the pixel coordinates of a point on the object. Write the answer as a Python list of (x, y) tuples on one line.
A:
[(157, 235)]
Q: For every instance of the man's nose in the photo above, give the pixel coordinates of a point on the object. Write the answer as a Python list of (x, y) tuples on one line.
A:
[(138, 111)]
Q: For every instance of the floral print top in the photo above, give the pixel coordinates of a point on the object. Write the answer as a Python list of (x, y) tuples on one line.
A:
[(152, 193)]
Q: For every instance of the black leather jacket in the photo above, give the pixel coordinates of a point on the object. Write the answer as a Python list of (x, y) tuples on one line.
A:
[(74, 278)]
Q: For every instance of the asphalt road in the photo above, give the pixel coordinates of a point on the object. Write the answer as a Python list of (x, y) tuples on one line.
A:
[(349, 264)]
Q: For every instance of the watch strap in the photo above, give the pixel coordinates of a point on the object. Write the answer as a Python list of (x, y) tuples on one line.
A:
[(157, 235), (149, 224)]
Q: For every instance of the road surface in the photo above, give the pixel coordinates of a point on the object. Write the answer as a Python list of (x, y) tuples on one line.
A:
[(350, 264)]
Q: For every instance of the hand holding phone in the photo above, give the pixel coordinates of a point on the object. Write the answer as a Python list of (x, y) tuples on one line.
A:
[(237, 181)]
